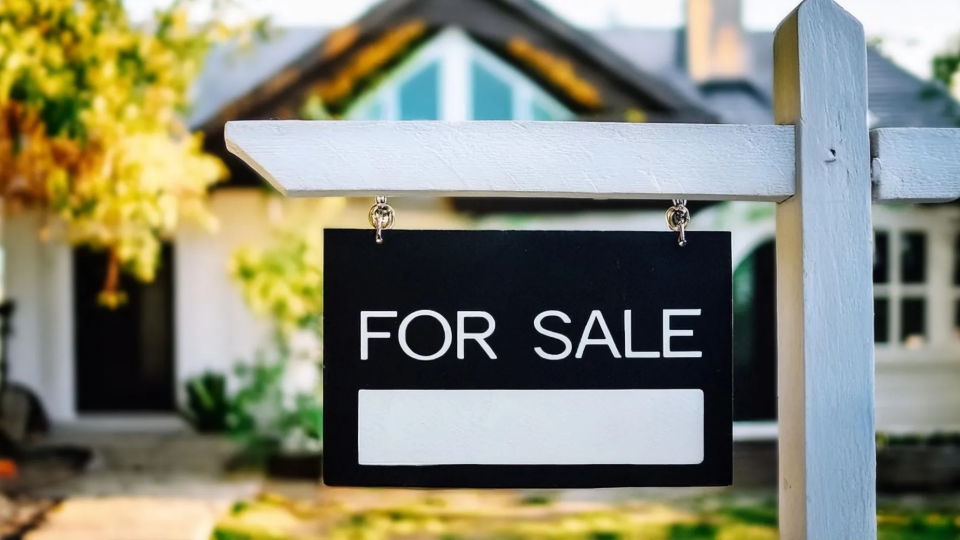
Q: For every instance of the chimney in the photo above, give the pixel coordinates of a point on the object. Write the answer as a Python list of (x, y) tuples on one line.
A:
[(716, 43)]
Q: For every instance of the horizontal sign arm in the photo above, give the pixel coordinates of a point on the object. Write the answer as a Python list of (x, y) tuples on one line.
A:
[(915, 165), (573, 159), (520, 159)]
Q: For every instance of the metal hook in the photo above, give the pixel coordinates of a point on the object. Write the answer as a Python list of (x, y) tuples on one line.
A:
[(381, 217), (678, 219)]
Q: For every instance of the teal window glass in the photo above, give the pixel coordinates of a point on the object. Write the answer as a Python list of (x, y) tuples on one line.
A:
[(492, 97), (420, 95)]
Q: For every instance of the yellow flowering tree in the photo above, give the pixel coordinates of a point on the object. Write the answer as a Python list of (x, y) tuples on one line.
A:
[(91, 123)]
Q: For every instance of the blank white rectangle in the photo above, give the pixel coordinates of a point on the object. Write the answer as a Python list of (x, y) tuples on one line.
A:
[(530, 427)]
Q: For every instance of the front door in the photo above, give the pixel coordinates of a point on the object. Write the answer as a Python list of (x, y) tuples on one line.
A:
[(124, 356)]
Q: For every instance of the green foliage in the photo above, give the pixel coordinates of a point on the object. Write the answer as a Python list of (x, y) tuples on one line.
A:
[(759, 514), (937, 439), (693, 531), (262, 417), (945, 66), (537, 500), (284, 281), (307, 415), (208, 405), (255, 410), (917, 526)]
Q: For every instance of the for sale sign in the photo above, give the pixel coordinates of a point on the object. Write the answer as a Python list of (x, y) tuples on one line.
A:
[(492, 359)]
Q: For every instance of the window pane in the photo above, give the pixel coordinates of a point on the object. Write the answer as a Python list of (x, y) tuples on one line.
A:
[(956, 261), (419, 96), (913, 324), (881, 320), (913, 257), (539, 113), (492, 97), (956, 319), (881, 257)]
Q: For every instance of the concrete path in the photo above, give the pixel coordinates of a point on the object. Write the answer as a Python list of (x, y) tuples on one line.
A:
[(174, 463), (159, 484), (131, 519)]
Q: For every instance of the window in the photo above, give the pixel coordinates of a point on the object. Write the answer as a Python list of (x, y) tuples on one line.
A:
[(419, 96), (881, 320), (916, 276), (900, 289), (492, 97), (955, 282), (454, 78), (913, 257)]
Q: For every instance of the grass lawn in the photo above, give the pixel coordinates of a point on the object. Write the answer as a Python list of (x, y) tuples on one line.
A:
[(490, 515)]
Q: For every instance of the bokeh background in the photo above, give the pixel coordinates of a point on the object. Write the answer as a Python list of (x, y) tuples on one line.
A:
[(161, 361)]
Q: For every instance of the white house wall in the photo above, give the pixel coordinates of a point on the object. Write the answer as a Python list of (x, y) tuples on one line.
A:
[(38, 276), (918, 396), (214, 328)]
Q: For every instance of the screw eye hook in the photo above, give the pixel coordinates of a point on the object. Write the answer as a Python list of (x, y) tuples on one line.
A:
[(382, 216), (678, 219)]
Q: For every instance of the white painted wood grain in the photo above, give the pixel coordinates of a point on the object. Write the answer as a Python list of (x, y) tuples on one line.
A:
[(912, 165), (503, 159), (824, 281), (530, 427)]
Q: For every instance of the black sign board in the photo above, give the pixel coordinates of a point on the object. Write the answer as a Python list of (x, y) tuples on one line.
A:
[(492, 359)]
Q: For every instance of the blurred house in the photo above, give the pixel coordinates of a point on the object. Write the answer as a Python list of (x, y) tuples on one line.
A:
[(487, 60)]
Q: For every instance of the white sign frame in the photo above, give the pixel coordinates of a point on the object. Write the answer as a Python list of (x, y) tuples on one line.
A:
[(817, 164)]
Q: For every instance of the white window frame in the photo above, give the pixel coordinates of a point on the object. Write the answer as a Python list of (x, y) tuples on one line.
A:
[(455, 52), (941, 225)]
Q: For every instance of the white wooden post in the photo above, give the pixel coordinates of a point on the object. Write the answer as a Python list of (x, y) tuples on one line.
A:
[(824, 280)]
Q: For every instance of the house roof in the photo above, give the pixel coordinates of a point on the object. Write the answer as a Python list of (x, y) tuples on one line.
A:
[(558, 56), (231, 72), (897, 98), (650, 58)]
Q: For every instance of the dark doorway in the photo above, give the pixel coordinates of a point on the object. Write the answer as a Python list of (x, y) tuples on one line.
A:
[(755, 336), (124, 356)]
